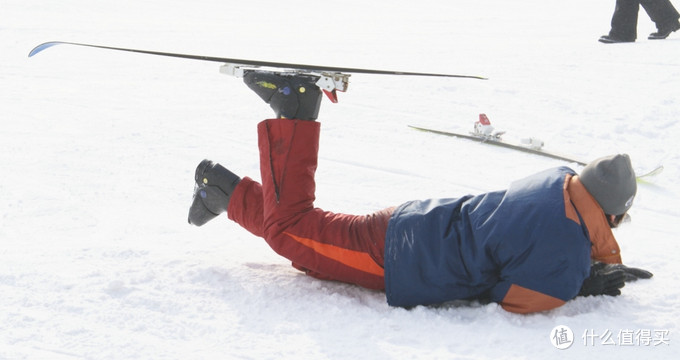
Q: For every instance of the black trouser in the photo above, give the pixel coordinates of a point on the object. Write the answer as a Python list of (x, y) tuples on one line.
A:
[(624, 20)]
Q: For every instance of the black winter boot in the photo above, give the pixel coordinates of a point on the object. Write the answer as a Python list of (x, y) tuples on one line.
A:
[(611, 39), (664, 31), (214, 186), (290, 96)]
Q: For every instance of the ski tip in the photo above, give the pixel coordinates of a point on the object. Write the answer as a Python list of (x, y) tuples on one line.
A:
[(459, 76), (656, 171), (42, 47)]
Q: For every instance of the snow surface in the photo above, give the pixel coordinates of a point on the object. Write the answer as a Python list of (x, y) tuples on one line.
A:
[(98, 150)]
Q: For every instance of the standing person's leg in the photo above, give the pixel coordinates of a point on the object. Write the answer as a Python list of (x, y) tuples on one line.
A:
[(624, 20), (664, 15)]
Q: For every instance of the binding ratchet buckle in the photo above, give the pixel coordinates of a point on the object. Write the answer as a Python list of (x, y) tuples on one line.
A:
[(328, 81)]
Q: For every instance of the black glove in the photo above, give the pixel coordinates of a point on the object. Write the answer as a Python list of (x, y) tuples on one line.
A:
[(633, 274), (630, 273), (603, 280)]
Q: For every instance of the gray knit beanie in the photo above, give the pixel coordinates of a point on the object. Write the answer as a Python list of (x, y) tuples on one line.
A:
[(611, 181)]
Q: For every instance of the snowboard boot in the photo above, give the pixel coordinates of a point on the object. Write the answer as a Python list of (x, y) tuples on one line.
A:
[(294, 96), (214, 186)]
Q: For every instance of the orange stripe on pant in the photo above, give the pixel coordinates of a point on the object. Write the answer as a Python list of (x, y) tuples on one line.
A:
[(355, 259)]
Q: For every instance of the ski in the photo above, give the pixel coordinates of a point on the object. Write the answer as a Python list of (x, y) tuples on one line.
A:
[(257, 63), (502, 143), (486, 134)]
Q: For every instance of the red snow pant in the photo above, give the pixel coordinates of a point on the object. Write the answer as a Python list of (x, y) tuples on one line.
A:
[(326, 245)]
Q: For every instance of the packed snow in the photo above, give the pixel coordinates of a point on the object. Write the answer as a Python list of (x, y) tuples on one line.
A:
[(98, 150)]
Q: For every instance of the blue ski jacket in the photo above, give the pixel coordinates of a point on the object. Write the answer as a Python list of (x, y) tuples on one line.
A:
[(528, 247)]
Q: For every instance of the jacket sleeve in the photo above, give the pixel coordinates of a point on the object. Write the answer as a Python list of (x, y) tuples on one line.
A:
[(521, 300), (526, 290)]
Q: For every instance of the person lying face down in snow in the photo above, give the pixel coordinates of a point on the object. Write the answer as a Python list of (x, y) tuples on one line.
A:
[(531, 247)]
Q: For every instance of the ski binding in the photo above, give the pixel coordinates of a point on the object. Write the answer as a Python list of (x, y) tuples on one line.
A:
[(330, 82), (484, 129)]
